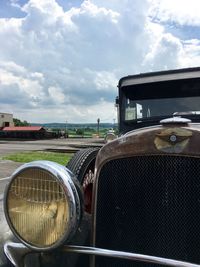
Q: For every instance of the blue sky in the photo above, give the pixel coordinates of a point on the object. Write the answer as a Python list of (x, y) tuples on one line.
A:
[(61, 60), (12, 8)]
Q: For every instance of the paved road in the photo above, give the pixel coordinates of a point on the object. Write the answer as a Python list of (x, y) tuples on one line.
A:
[(59, 145), (5, 233), (9, 147), (3, 183), (7, 167)]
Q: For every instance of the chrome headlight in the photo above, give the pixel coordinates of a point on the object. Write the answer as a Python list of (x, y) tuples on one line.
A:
[(110, 137), (42, 205)]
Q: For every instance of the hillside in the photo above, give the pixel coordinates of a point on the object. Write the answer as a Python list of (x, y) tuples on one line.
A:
[(74, 125)]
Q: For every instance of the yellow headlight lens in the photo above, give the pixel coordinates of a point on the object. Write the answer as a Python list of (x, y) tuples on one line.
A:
[(37, 207)]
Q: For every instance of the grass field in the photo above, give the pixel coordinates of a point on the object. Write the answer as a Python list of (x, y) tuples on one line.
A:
[(61, 158)]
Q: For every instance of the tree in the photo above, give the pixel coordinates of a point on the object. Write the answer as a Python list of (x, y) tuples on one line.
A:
[(18, 122)]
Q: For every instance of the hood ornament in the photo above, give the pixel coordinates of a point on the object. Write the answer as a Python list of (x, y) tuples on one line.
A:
[(172, 140)]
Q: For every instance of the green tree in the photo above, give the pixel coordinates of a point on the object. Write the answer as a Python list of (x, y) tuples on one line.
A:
[(18, 122)]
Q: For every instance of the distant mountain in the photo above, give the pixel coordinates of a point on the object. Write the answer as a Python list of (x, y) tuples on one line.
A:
[(73, 125)]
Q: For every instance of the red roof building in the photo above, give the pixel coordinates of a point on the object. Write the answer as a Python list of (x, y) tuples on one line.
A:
[(26, 132)]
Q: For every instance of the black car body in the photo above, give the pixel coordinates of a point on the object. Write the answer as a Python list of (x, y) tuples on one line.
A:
[(145, 208)]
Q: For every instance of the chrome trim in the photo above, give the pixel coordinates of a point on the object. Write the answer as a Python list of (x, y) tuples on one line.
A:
[(175, 120), (16, 252), (65, 179), (126, 255)]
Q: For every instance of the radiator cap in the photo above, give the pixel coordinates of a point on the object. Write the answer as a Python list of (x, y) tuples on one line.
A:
[(175, 120)]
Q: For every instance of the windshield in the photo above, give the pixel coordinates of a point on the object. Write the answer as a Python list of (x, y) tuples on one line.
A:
[(149, 108), (154, 101)]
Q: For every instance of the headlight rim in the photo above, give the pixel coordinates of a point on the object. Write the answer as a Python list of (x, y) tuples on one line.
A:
[(65, 179)]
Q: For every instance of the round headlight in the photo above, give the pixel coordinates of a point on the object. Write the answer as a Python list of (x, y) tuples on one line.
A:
[(42, 205), (110, 137)]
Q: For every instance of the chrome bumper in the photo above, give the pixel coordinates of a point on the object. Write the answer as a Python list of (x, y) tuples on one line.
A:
[(17, 251)]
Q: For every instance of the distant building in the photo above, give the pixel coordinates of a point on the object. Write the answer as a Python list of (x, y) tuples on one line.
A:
[(6, 120), (26, 132)]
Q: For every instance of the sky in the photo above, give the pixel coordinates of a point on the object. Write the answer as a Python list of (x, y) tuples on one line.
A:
[(60, 60)]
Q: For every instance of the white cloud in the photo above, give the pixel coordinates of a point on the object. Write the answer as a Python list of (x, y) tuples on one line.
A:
[(27, 84), (73, 57), (85, 113), (183, 12), (191, 56), (91, 10), (165, 52), (105, 80), (54, 63), (56, 94)]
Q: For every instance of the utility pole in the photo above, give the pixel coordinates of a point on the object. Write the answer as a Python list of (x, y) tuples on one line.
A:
[(98, 122), (66, 135)]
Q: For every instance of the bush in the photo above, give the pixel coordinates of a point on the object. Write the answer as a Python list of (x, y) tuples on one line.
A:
[(79, 131)]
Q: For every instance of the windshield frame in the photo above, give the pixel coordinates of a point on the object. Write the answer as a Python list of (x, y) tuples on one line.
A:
[(157, 90)]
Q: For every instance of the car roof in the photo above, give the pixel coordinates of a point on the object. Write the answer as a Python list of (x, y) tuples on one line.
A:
[(159, 76)]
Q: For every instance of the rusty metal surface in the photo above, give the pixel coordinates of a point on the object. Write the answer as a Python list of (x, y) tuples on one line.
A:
[(156, 140), (145, 141), (172, 140)]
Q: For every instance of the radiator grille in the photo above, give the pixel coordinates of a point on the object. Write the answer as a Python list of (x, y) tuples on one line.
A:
[(149, 205)]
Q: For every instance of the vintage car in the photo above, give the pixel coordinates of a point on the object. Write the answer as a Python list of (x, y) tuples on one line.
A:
[(134, 202)]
